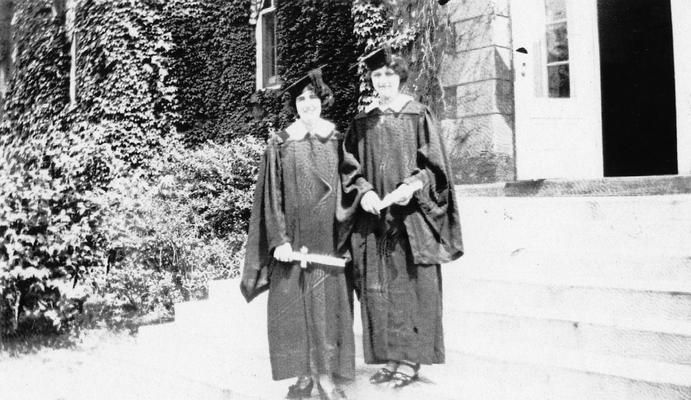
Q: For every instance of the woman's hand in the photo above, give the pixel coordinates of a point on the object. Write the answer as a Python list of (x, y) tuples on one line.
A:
[(284, 252), (403, 194), (370, 202)]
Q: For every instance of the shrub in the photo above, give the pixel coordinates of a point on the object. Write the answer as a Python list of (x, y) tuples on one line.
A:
[(170, 234), (48, 241)]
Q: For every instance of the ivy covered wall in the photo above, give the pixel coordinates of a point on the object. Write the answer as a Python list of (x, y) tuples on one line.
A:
[(125, 90), (148, 72), (213, 61), (315, 32), (38, 94)]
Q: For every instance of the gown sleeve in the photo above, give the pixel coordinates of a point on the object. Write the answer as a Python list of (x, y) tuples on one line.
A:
[(352, 178), (267, 228), (436, 199), (353, 185)]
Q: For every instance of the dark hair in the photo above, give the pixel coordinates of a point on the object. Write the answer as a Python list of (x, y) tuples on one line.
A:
[(399, 66), (320, 89)]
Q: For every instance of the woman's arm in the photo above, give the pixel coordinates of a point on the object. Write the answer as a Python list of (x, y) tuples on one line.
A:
[(274, 215), (354, 184)]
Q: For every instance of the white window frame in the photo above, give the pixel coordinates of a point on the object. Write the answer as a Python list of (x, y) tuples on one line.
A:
[(259, 39)]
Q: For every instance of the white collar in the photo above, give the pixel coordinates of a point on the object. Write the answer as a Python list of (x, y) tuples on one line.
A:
[(321, 128), (395, 105)]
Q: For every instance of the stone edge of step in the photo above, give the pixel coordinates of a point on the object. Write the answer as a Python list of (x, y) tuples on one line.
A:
[(653, 372)]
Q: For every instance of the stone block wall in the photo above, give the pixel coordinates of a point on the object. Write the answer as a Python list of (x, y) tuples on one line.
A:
[(477, 75)]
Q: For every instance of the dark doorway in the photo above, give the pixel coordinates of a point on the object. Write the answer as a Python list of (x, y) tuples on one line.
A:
[(637, 78)]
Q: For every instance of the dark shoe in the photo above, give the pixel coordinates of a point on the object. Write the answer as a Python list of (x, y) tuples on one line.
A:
[(383, 375), (336, 394), (401, 379), (298, 391)]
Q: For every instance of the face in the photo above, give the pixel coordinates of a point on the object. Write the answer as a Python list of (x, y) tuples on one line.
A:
[(385, 82), (308, 105)]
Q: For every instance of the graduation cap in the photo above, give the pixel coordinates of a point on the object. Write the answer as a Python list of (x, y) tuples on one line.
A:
[(375, 59), (313, 77), (378, 57)]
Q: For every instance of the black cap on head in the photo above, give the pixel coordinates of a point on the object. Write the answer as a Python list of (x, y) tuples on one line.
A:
[(296, 87), (377, 58), (314, 78)]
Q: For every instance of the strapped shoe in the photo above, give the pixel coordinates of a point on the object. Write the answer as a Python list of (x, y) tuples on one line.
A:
[(383, 375), (401, 379), (299, 390)]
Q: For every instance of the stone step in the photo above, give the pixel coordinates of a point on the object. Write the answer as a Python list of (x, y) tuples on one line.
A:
[(611, 186), (636, 370), (609, 227), (483, 377), (573, 264), (625, 209), (601, 303), (568, 334), (545, 277)]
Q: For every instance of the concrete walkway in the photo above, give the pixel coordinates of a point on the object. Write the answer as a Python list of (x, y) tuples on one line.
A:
[(172, 362)]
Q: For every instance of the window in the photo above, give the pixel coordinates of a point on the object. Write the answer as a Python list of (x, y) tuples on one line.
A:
[(267, 72), (73, 69), (70, 16), (557, 49)]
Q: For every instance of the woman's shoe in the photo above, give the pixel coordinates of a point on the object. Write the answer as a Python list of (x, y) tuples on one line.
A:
[(335, 394), (383, 375), (401, 379), (300, 390)]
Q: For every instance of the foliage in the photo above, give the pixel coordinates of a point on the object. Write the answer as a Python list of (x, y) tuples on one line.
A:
[(57, 157), (418, 29), (47, 242), (214, 65), (125, 87), (38, 93), (47, 223), (171, 234), (312, 33)]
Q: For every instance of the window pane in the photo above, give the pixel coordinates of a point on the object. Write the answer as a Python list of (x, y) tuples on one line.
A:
[(555, 10), (268, 47), (558, 80), (557, 43)]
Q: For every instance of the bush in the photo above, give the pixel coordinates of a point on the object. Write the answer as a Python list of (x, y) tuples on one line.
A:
[(48, 240), (169, 235)]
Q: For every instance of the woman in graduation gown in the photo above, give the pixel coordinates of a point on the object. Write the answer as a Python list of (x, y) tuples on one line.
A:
[(396, 168), (295, 205)]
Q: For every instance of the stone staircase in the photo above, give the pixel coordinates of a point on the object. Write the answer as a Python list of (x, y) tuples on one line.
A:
[(591, 294), (576, 297)]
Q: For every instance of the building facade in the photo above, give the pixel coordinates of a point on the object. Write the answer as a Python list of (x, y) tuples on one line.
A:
[(569, 88), (573, 89)]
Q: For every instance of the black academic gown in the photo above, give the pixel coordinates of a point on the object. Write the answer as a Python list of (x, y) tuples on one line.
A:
[(397, 255), (309, 310)]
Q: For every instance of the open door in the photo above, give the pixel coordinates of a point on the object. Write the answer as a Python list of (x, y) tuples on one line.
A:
[(639, 118), (557, 89)]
